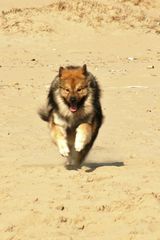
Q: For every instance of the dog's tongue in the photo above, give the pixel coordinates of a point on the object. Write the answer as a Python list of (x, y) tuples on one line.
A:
[(73, 109)]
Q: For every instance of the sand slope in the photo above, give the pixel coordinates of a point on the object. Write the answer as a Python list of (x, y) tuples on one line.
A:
[(116, 194)]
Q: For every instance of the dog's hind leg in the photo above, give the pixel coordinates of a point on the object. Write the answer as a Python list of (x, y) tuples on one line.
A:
[(70, 163), (77, 141), (85, 137)]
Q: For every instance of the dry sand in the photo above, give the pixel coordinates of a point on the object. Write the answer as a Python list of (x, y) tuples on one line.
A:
[(116, 194)]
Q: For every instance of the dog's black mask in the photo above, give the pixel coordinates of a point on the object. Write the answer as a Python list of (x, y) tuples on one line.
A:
[(74, 104)]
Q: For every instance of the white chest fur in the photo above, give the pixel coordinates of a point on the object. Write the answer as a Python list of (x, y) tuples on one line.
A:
[(59, 121)]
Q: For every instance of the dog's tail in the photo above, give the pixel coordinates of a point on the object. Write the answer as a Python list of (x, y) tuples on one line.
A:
[(44, 113)]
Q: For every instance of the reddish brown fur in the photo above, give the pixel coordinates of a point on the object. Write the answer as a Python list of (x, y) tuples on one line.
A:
[(73, 82), (56, 132), (72, 73)]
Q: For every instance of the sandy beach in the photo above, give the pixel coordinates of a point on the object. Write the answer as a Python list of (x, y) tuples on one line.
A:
[(116, 193)]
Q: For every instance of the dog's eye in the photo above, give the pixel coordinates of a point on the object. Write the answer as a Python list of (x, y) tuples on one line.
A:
[(79, 89), (67, 90)]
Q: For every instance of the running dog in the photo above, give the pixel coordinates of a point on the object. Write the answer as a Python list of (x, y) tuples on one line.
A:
[(73, 112)]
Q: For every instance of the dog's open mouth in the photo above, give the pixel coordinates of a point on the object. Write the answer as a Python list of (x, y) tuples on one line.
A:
[(73, 108)]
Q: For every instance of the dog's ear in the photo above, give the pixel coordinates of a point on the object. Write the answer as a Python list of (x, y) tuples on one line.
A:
[(84, 70), (60, 71)]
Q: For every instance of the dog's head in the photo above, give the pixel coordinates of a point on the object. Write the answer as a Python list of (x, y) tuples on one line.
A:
[(73, 86)]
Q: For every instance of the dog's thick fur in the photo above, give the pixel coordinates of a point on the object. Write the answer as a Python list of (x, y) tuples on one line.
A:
[(74, 112)]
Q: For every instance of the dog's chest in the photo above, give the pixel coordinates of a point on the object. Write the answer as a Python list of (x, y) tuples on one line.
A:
[(70, 122), (60, 121)]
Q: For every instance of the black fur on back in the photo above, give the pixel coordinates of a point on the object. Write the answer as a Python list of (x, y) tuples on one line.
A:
[(96, 93)]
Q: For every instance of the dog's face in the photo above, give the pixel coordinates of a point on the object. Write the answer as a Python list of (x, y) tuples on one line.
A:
[(73, 86)]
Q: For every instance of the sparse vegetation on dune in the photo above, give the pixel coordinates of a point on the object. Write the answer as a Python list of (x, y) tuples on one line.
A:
[(128, 14)]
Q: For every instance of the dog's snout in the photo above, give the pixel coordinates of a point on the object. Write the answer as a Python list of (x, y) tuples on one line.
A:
[(73, 99)]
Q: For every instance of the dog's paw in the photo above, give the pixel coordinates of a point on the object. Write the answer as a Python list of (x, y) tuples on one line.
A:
[(83, 136), (70, 166), (63, 148), (80, 142), (79, 146)]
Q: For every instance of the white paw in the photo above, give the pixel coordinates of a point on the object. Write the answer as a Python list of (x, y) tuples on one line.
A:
[(79, 142), (63, 148)]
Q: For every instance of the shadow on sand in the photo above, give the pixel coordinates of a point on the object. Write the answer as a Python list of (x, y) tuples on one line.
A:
[(92, 166)]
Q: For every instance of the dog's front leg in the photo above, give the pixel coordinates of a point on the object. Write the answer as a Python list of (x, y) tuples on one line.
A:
[(59, 136), (83, 136)]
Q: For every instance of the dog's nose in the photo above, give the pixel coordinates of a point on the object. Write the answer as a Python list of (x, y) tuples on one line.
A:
[(73, 99)]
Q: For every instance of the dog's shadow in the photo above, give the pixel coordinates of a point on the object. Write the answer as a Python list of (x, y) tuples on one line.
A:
[(92, 166)]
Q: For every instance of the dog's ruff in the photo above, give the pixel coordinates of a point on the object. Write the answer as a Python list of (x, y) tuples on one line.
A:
[(74, 112)]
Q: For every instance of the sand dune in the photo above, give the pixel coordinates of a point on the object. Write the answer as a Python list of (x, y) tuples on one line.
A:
[(129, 14)]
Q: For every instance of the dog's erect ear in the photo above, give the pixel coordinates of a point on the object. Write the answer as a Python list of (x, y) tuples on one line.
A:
[(84, 69), (60, 71)]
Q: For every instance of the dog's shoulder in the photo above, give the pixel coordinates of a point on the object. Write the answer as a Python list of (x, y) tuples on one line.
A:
[(59, 120)]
